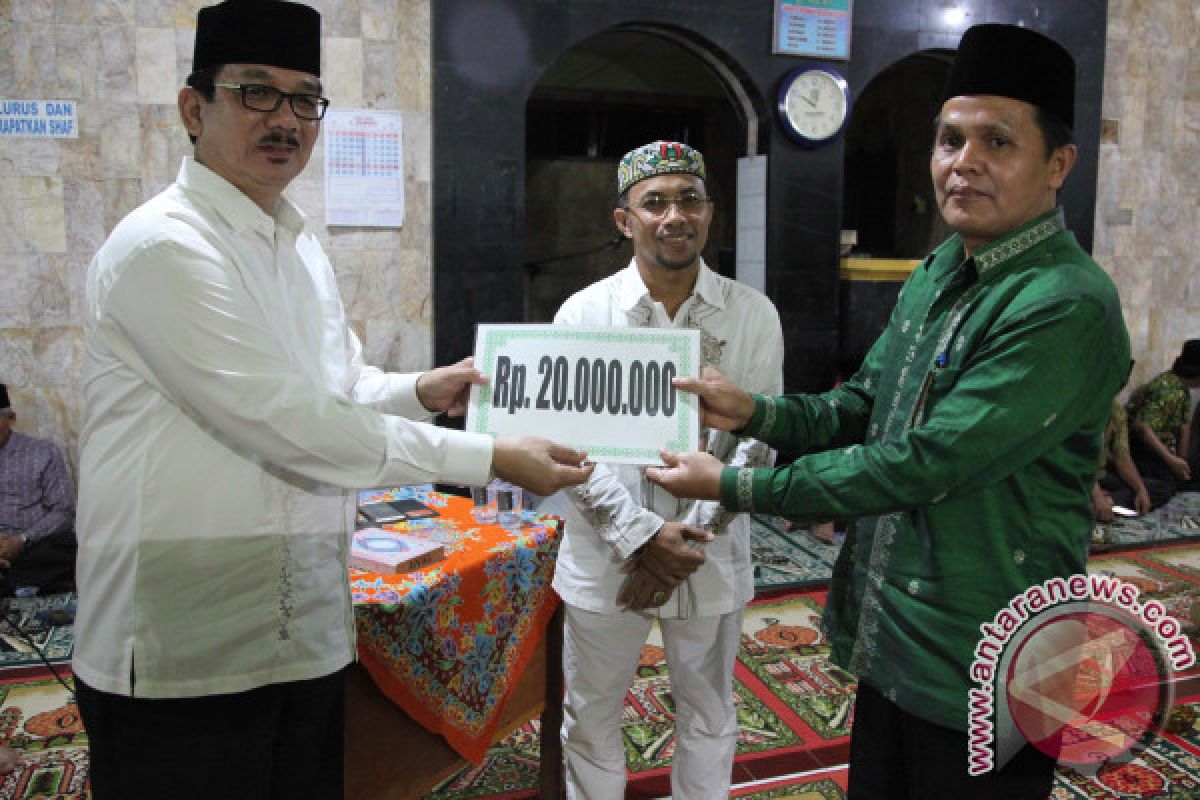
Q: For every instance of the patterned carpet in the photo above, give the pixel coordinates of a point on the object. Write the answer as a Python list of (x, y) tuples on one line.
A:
[(792, 558), (1178, 519), (824, 784), (793, 710), (38, 718), (46, 620), (794, 707), (1169, 574), (788, 558)]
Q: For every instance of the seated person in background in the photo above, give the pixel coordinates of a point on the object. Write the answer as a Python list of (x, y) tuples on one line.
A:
[(1158, 419), (1191, 449), (1118, 482), (37, 511)]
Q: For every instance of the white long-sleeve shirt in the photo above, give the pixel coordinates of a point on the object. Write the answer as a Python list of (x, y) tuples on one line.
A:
[(227, 415), (617, 510)]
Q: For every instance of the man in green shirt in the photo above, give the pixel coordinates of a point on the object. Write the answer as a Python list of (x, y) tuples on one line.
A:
[(1158, 416), (967, 444)]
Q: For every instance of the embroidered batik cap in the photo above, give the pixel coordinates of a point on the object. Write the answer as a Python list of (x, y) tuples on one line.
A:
[(1010, 61), (658, 158)]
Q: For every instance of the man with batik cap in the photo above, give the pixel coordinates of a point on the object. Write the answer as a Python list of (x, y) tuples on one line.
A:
[(228, 417), (966, 445), (632, 553)]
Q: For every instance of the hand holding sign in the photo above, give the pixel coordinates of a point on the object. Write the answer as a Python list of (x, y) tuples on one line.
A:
[(695, 475), (448, 388), (539, 465), (722, 405)]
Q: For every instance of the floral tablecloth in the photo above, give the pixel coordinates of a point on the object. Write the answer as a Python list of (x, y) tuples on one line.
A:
[(448, 642)]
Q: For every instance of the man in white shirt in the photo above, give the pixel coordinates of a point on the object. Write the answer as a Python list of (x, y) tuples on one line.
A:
[(631, 552), (228, 417)]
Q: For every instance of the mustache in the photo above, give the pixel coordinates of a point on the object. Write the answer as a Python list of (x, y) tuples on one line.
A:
[(279, 137)]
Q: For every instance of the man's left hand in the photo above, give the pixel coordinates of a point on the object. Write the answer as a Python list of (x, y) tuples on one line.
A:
[(11, 546), (449, 388), (669, 555), (643, 590), (695, 475)]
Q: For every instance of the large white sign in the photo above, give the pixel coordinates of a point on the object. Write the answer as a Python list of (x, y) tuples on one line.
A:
[(603, 390)]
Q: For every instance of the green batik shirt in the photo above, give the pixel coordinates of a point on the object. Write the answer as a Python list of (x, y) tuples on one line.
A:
[(1116, 439), (1162, 405), (964, 449)]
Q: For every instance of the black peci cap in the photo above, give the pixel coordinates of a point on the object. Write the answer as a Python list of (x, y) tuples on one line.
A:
[(1010, 61), (270, 32), (1187, 365)]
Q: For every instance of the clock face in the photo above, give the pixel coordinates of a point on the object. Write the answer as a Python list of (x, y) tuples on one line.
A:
[(813, 104)]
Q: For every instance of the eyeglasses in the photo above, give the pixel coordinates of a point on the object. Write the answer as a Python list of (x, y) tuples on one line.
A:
[(656, 205), (261, 97)]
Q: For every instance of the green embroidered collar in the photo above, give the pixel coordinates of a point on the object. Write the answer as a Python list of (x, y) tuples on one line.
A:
[(1020, 241)]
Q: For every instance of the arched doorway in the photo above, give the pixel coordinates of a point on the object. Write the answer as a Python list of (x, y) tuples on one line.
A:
[(889, 196), (596, 101), (888, 201)]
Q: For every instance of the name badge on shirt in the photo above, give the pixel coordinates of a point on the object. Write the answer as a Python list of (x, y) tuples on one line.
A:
[(603, 390)]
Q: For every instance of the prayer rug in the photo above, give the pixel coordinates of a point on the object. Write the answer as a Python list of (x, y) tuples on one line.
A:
[(1178, 518), (1168, 574), (1168, 769), (47, 620), (39, 718), (788, 559), (787, 723)]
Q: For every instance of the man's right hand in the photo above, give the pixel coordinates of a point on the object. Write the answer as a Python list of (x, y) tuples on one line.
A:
[(538, 464), (668, 554), (722, 405), (1141, 501), (10, 547), (1180, 467), (1102, 504)]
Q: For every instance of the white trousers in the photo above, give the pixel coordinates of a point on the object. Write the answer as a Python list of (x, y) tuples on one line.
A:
[(600, 657)]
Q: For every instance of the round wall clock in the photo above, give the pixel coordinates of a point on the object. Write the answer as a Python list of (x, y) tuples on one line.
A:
[(814, 103)]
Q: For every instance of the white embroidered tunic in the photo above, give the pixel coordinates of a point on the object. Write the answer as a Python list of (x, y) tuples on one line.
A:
[(617, 511), (227, 416)]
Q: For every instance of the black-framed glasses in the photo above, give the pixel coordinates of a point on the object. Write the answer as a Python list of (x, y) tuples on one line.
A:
[(656, 204), (266, 98)]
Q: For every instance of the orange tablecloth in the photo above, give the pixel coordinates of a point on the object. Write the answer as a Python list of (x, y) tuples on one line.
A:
[(447, 642)]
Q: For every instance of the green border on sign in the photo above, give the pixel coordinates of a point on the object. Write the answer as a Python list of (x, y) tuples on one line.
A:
[(678, 346)]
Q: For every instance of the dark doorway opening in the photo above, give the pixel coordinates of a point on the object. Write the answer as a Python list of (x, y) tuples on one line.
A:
[(595, 102), (888, 200), (888, 197)]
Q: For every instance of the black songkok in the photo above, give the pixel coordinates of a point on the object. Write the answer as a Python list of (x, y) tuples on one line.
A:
[(1187, 365), (1009, 61), (269, 32)]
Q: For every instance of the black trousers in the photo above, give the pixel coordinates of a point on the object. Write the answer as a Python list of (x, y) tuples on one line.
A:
[(48, 563), (896, 755), (271, 743), (1124, 495)]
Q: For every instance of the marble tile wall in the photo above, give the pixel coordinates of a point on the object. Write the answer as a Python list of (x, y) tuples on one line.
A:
[(1148, 195), (124, 61)]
